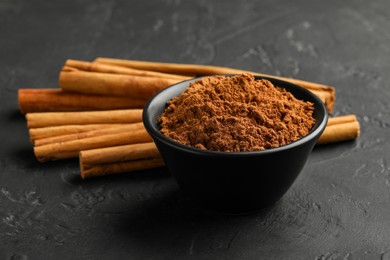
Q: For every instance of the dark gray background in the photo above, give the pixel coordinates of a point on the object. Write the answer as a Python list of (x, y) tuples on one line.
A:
[(337, 209)]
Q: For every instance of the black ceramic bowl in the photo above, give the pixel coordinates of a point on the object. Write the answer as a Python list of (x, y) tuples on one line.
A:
[(234, 182)]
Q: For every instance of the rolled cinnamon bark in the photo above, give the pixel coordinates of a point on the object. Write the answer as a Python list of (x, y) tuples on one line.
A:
[(115, 69), (57, 100), (137, 87), (53, 131), (119, 159), (86, 134), (71, 149), (342, 119), (204, 70), (118, 154), (191, 70), (44, 119), (121, 167), (339, 129)]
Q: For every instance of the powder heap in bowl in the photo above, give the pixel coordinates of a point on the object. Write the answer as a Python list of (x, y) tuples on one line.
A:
[(236, 114)]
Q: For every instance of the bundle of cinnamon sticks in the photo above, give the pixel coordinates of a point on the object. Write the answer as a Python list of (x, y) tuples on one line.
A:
[(96, 112)]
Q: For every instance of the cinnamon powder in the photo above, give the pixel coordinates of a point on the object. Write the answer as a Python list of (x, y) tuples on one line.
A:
[(236, 114)]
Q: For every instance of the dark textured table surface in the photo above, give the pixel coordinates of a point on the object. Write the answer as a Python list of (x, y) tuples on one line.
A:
[(338, 208)]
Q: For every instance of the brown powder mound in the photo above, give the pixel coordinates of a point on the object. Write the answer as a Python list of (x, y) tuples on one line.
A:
[(236, 114)]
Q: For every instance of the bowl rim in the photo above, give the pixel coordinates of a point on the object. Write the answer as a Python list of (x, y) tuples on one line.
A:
[(155, 133)]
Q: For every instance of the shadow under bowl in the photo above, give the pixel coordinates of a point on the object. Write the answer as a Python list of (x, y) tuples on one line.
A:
[(234, 182)]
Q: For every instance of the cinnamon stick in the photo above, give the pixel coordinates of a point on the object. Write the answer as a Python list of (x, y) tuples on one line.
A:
[(86, 134), (204, 70), (137, 87), (57, 100), (121, 167), (44, 119), (342, 128), (119, 159), (52, 131), (192, 70), (341, 119), (115, 69), (71, 149), (116, 154)]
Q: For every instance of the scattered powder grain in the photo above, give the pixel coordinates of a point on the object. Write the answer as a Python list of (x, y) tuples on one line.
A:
[(236, 114)]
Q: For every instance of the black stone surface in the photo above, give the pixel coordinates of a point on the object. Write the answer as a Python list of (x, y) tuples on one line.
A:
[(339, 207)]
